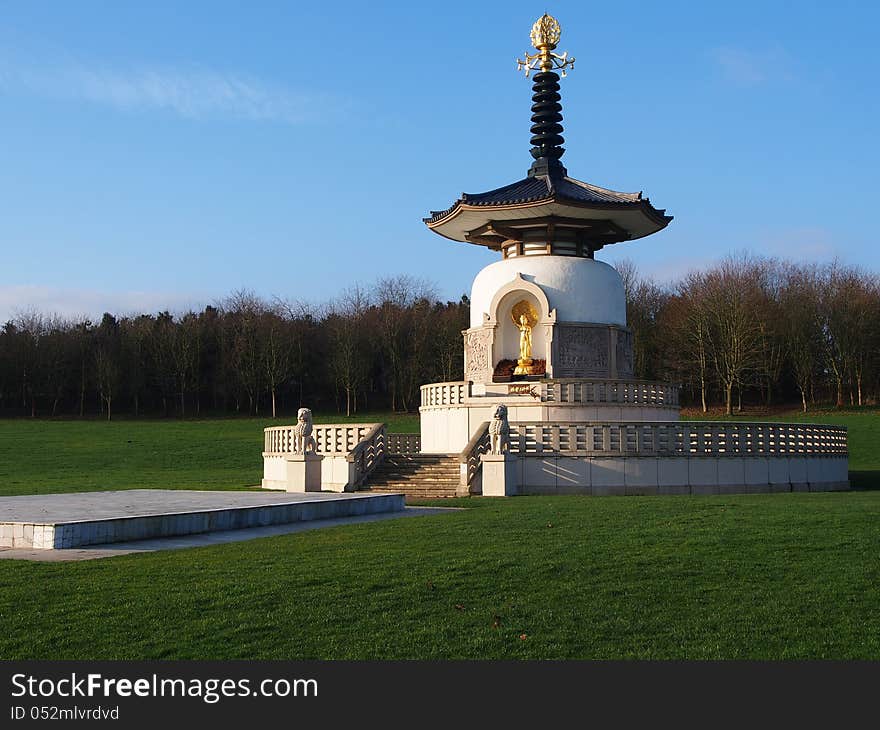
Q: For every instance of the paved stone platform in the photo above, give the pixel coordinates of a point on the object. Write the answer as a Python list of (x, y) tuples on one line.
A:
[(61, 521), (204, 539)]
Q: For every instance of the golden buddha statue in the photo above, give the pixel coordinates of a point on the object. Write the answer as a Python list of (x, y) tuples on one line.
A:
[(525, 318)]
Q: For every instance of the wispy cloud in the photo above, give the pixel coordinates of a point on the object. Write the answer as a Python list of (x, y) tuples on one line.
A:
[(668, 270), (749, 67), (801, 244), (189, 93), (87, 303)]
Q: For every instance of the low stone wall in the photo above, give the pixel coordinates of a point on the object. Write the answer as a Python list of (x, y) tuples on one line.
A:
[(641, 475), (674, 458)]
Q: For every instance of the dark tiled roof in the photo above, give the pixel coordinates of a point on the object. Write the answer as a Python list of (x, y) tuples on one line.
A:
[(541, 188)]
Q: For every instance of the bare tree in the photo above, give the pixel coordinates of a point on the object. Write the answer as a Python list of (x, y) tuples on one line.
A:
[(420, 351), (185, 345), (349, 343), (162, 336), (771, 341), (301, 335), (395, 296), (452, 319), (849, 311), (107, 360), (645, 303), (58, 357), (82, 333), (800, 325), (33, 328), (244, 311), (135, 337), (731, 299), (865, 337), (277, 354), (688, 318)]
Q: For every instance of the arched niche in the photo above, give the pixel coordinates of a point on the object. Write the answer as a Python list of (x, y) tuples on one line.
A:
[(505, 345)]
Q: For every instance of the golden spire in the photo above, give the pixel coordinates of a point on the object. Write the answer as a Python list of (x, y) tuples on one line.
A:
[(545, 36)]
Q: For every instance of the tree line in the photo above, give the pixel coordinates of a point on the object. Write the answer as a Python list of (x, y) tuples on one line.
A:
[(372, 348), (760, 330), (746, 330)]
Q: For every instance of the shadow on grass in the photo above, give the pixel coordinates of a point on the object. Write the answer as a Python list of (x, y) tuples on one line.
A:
[(867, 480)]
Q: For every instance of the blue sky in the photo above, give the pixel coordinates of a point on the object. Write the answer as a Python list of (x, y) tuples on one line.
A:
[(164, 154)]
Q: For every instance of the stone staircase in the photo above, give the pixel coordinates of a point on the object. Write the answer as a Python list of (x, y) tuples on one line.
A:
[(418, 476)]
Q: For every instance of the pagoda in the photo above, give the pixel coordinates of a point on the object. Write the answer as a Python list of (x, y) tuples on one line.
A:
[(548, 310), (549, 403)]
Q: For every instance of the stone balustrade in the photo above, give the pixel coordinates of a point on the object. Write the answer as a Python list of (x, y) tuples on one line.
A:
[(679, 457), (469, 459), (403, 443), (570, 391), (444, 394), (635, 392), (334, 438), (350, 450), (278, 440), (369, 452), (679, 438)]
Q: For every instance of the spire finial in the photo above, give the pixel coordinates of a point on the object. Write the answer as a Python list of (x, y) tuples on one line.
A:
[(546, 108), (545, 37)]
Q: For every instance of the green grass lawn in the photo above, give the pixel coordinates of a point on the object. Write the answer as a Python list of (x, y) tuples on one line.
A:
[(46, 456), (752, 576), (772, 576)]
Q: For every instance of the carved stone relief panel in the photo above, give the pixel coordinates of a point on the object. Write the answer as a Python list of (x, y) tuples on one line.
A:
[(582, 351), (476, 354), (624, 353)]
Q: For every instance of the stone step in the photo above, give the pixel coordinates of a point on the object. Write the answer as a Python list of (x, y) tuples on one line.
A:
[(414, 475), (411, 493), (417, 474), (426, 476), (413, 462), (392, 465), (404, 462), (404, 465), (407, 487), (424, 457), (415, 480), (420, 462), (411, 468)]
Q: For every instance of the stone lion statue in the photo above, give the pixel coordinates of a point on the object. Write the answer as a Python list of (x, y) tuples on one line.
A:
[(303, 441), (499, 431)]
